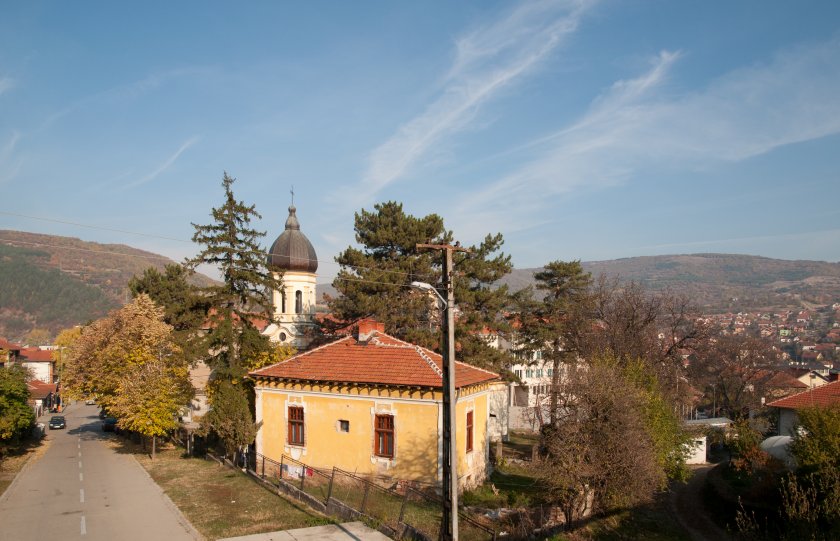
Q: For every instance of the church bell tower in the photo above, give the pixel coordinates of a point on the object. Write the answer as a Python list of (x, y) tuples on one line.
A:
[(294, 304)]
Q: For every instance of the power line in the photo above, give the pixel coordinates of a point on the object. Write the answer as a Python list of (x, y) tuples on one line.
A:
[(150, 235), (94, 227), (164, 258), (14, 242)]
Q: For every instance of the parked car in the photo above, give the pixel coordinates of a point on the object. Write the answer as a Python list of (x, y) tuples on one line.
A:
[(90, 401), (57, 421), (109, 424)]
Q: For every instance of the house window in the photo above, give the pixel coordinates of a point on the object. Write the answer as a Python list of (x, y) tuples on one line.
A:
[(539, 372), (469, 431), (295, 425), (518, 373), (298, 302), (529, 373), (550, 372), (343, 426), (384, 437)]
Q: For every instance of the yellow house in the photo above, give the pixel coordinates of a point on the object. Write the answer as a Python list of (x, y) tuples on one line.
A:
[(372, 404)]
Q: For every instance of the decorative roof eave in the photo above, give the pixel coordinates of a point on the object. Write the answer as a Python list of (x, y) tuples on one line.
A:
[(376, 384)]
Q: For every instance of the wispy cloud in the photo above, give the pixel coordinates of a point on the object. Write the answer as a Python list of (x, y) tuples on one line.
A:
[(164, 166), (6, 84), (127, 91), (634, 127), (486, 61)]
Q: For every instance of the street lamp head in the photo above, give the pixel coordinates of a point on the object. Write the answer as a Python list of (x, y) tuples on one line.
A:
[(429, 287)]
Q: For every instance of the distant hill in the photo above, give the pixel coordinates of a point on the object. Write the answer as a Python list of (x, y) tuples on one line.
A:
[(715, 282), (721, 282), (54, 282)]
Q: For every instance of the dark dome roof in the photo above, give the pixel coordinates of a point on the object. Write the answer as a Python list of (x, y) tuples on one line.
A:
[(292, 251)]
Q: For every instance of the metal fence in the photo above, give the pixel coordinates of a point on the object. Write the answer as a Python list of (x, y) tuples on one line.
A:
[(402, 509)]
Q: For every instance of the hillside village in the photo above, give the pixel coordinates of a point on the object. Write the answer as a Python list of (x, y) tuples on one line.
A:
[(342, 391)]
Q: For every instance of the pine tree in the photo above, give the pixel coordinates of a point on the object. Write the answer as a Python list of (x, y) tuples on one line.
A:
[(235, 345), (557, 325), (231, 244), (375, 281)]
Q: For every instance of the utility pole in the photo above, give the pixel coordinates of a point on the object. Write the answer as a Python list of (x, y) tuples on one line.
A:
[(449, 522)]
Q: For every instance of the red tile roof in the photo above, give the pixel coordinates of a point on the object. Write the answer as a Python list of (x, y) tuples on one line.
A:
[(784, 380), (382, 360), (35, 355), (5, 344), (818, 396), (39, 389)]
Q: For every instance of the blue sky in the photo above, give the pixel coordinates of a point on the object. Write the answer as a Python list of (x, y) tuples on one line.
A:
[(580, 130)]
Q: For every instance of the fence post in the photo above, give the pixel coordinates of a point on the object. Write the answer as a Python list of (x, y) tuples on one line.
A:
[(404, 503), (364, 498), (263, 467), (302, 475), (329, 490), (280, 478)]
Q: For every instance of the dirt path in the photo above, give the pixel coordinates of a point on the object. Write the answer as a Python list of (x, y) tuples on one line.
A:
[(687, 504)]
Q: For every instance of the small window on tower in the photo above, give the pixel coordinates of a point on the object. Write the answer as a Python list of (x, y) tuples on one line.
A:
[(343, 426), (298, 302)]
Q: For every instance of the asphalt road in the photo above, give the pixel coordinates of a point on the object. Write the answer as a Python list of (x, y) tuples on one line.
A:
[(82, 489)]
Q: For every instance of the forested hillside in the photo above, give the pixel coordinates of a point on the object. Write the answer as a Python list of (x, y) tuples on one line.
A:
[(51, 282), (34, 295)]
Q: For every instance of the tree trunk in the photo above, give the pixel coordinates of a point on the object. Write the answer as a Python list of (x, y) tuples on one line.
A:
[(154, 444), (555, 382)]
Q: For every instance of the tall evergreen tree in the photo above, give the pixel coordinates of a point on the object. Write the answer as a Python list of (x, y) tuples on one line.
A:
[(232, 245), (235, 345), (557, 325), (375, 281)]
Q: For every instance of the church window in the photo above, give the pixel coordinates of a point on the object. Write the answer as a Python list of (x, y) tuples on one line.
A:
[(283, 302), (298, 302)]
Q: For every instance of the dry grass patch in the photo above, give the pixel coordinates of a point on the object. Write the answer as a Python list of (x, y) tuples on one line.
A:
[(218, 501)]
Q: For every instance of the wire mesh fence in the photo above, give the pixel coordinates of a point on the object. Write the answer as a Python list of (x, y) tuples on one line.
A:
[(397, 507)]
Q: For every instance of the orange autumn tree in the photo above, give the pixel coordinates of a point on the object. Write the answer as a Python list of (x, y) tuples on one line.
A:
[(130, 361)]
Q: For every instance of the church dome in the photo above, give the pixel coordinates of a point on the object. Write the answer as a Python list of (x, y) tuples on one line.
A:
[(292, 251)]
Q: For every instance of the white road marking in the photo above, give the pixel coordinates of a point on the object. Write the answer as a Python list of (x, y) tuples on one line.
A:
[(80, 454), (80, 464), (81, 495), (84, 528), (81, 477)]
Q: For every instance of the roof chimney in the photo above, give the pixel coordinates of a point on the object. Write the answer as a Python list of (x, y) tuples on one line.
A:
[(367, 328)]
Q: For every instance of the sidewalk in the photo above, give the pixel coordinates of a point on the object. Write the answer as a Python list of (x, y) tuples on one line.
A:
[(349, 531)]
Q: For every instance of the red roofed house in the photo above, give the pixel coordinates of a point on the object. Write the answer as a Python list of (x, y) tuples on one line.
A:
[(9, 352), (817, 396), (372, 404), (40, 395), (40, 363)]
